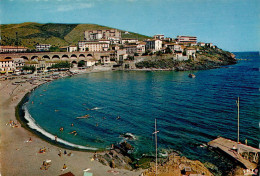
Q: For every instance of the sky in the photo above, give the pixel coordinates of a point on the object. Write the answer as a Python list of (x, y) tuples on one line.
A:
[(233, 25)]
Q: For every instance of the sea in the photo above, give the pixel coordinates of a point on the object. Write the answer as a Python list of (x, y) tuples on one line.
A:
[(189, 111)]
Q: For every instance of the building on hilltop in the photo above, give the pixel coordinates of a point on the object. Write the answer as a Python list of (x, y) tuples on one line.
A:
[(12, 49), (43, 47), (102, 34), (187, 39), (159, 37)]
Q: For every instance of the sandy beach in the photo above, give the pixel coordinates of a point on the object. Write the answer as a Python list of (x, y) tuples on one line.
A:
[(20, 156)]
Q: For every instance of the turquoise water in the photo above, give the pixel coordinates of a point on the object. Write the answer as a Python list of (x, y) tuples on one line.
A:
[(189, 111)]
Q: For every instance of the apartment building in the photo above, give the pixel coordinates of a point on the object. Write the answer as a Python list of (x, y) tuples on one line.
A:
[(7, 66), (12, 49), (102, 34), (43, 47), (187, 39), (154, 45), (93, 46)]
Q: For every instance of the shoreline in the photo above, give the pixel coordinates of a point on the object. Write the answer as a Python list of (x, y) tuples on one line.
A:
[(23, 156)]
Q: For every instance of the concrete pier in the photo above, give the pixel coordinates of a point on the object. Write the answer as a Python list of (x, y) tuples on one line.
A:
[(235, 150)]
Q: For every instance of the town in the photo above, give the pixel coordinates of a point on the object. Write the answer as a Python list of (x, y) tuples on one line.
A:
[(104, 48)]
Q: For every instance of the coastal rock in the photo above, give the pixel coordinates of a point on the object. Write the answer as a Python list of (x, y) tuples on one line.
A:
[(118, 157), (176, 165)]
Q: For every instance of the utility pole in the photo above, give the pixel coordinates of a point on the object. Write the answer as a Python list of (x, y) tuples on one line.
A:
[(16, 34), (237, 120), (155, 133)]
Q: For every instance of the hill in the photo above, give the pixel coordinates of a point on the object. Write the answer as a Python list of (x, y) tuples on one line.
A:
[(29, 34)]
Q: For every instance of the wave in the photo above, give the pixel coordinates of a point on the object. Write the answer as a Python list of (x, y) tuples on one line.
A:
[(33, 125)]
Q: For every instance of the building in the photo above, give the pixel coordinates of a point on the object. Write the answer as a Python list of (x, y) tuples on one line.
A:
[(72, 48), (93, 46), (131, 49), (209, 45), (201, 44), (175, 47), (43, 47), (12, 49), (128, 40), (154, 45), (158, 37), (18, 63), (141, 47), (187, 39), (191, 52), (102, 34), (7, 66)]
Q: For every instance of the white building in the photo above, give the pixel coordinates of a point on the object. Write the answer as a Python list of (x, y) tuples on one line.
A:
[(72, 48), (191, 52), (141, 47), (187, 39), (154, 45), (6, 66), (18, 63), (158, 37), (94, 46), (5, 49), (201, 44), (128, 40), (43, 47)]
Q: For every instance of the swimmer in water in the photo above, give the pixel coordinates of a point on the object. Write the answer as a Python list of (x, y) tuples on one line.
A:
[(118, 117), (73, 132), (61, 128)]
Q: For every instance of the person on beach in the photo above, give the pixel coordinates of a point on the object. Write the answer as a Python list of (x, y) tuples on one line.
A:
[(30, 139), (65, 152), (64, 167), (55, 138)]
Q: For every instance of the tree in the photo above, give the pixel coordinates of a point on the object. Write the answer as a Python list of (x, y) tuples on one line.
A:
[(81, 63), (31, 67), (54, 49), (168, 51)]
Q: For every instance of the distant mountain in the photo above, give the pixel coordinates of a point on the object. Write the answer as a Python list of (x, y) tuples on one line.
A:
[(29, 34)]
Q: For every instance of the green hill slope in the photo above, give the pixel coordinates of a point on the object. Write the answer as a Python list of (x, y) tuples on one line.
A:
[(29, 34)]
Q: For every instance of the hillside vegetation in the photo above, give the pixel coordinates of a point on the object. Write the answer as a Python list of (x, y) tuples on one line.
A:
[(29, 34)]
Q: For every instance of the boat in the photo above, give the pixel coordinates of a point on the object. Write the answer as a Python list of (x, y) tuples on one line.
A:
[(83, 117), (192, 75)]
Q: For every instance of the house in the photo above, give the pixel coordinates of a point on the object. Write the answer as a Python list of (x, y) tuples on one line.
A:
[(141, 47), (201, 44), (18, 63), (7, 66), (10, 49), (187, 39), (102, 34), (128, 40), (93, 46), (158, 37), (131, 49), (209, 44), (191, 52), (154, 45), (72, 48), (43, 47)]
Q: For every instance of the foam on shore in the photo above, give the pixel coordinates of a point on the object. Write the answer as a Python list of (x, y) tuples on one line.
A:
[(33, 125)]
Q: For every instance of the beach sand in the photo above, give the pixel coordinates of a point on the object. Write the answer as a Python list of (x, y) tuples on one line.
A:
[(19, 157)]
